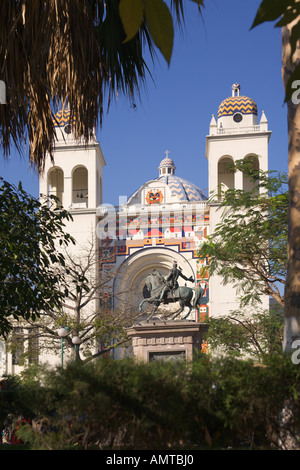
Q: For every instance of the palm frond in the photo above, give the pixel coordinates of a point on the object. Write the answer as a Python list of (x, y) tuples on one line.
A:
[(57, 50)]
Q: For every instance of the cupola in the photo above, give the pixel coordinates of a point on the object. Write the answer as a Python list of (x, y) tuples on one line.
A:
[(167, 166), (237, 110)]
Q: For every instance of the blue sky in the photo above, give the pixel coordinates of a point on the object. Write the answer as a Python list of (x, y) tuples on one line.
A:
[(215, 51)]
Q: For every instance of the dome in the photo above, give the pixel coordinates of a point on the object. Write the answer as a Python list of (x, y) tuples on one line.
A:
[(237, 104), (62, 117), (181, 190), (184, 190)]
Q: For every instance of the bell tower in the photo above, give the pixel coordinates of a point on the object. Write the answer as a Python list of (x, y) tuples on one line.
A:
[(235, 135), (75, 177)]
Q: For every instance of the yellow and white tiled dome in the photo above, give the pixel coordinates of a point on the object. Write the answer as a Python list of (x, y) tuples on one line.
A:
[(237, 104), (62, 117)]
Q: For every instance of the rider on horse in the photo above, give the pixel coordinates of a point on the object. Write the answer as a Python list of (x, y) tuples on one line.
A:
[(171, 282)]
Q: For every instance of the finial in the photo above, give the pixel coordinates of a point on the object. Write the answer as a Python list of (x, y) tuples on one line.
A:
[(236, 89), (213, 121)]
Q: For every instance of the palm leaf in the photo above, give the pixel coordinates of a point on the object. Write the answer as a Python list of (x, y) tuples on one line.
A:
[(57, 50)]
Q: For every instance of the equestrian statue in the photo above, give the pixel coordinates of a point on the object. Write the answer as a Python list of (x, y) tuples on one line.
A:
[(164, 290)]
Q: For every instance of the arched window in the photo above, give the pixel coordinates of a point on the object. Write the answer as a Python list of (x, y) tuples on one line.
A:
[(56, 184), (248, 183), (80, 186), (225, 174)]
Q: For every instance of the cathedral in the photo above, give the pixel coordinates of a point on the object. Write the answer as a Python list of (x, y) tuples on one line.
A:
[(166, 219)]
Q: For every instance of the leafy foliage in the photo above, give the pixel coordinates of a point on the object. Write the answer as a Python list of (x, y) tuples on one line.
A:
[(238, 335), (76, 52), (248, 246), (30, 233), (85, 311), (157, 15), (120, 404), (289, 13)]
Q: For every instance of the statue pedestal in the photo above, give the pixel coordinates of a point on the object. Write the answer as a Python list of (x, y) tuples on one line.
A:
[(167, 340)]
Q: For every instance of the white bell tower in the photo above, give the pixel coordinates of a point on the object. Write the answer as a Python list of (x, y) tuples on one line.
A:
[(235, 135), (75, 178)]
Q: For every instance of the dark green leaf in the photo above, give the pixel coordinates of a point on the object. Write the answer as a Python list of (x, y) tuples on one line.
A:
[(270, 10), (160, 24), (131, 13)]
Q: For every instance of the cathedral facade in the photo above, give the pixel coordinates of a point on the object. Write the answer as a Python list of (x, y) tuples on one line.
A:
[(167, 219), (163, 222)]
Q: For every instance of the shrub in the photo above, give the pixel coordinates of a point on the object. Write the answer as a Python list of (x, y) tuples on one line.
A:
[(207, 404)]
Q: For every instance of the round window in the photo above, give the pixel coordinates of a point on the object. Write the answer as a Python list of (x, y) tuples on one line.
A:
[(237, 117), (68, 129)]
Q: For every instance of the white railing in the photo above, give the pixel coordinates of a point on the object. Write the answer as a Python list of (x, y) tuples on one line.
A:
[(238, 130)]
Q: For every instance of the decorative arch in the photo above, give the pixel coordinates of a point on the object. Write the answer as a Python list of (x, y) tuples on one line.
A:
[(225, 175), (55, 184), (80, 185), (128, 285), (248, 183)]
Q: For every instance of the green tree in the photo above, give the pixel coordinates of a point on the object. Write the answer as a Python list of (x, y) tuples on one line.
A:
[(30, 278), (97, 328), (248, 246), (240, 335), (78, 51)]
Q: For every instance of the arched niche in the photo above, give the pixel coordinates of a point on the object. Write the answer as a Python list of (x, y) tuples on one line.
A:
[(55, 183), (225, 174), (128, 285), (248, 183), (80, 186)]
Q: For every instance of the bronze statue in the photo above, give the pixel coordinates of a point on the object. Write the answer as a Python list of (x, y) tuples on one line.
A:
[(159, 289), (171, 282)]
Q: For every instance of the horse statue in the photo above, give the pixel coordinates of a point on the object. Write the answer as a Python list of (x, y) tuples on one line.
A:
[(152, 292)]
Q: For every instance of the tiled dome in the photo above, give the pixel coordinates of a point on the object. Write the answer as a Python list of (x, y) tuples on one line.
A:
[(184, 190), (166, 163), (237, 104), (62, 117)]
